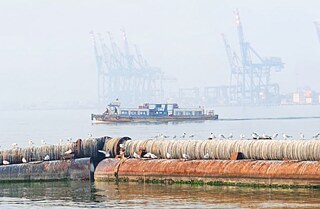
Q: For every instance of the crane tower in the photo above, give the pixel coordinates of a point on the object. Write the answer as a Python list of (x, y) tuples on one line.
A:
[(250, 81), (124, 75)]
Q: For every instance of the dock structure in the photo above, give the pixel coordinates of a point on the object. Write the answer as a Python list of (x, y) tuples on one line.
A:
[(263, 162)]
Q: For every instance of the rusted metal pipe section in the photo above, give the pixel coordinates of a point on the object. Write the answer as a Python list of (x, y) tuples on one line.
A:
[(304, 150), (228, 171), (75, 169)]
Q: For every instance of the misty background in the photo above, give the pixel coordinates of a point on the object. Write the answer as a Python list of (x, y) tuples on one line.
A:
[(47, 57)]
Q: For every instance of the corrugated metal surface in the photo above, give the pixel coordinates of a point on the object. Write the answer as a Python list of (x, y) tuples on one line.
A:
[(307, 150), (243, 171), (77, 169)]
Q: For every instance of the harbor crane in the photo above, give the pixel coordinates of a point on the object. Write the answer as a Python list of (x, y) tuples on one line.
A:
[(124, 75), (317, 24), (250, 73)]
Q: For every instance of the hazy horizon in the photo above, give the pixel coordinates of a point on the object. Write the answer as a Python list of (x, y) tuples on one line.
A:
[(46, 53)]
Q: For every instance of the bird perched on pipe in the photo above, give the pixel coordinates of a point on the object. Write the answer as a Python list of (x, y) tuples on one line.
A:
[(285, 136), (168, 155), (46, 158), (135, 155), (275, 135), (212, 136), (5, 162), (68, 152), (185, 156), (206, 156), (316, 136), (106, 153), (24, 160)]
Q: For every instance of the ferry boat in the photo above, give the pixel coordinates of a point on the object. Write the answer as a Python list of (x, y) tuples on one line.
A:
[(152, 113)]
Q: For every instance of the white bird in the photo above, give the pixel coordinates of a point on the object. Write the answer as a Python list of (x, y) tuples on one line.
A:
[(242, 136), (301, 136), (265, 136), (14, 145), (185, 156), (135, 155), (30, 142), (230, 136), (191, 136), (46, 158), (285, 136), (43, 142), (24, 160), (168, 155), (254, 135), (69, 139), (275, 135), (89, 135), (174, 137), (5, 162), (147, 155), (316, 136), (153, 156), (183, 135), (212, 136), (106, 153), (206, 156), (69, 151), (221, 136)]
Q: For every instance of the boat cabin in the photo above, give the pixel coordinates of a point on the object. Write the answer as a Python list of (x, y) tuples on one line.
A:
[(153, 110)]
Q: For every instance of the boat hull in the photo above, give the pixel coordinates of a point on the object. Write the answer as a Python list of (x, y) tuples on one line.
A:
[(126, 119)]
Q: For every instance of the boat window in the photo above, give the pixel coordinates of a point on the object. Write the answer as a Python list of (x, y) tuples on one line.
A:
[(124, 112), (189, 113), (197, 113), (143, 113), (134, 112)]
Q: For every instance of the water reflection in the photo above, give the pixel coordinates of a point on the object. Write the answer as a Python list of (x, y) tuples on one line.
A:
[(74, 194), (156, 195)]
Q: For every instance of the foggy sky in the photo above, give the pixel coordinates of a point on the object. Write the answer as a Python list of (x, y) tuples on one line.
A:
[(46, 53)]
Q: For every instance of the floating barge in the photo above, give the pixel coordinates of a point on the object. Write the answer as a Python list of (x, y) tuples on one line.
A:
[(152, 113)]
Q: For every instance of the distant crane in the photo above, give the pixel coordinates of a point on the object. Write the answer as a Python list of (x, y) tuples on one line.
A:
[(317, 24), (124, 75), (250, 73)]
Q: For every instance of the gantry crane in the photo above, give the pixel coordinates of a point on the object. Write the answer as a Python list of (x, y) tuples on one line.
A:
[(123, 75), (250, 73), (317, 24)]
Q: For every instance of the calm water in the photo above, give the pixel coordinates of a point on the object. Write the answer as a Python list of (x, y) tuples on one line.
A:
[(20, 126)]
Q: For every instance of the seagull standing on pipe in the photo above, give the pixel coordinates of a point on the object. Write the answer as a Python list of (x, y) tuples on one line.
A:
[(255, 135), (285, 136), (212, 136), (301, 136), (275, 135), (106, 154)]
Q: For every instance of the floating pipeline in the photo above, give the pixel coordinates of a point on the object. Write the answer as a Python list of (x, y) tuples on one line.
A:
[(80, 148), (229, 172), (80, 164), (74, 169), (304, 150)]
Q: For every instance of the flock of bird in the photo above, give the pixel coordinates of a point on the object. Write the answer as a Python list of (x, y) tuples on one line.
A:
[(43, 143), (254, 135)]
